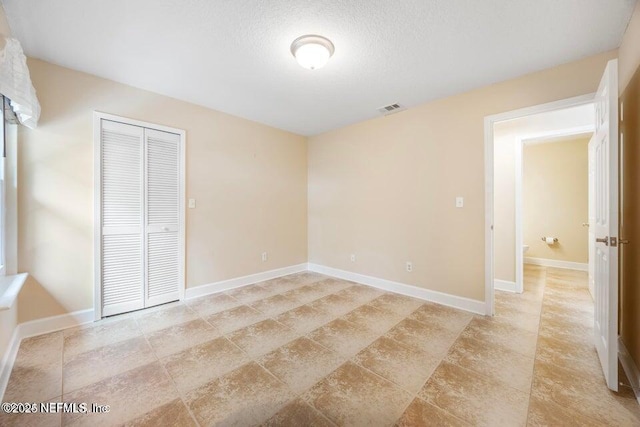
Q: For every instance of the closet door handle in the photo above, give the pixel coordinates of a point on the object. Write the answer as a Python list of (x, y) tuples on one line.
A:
[(165, 228), (604, 240)]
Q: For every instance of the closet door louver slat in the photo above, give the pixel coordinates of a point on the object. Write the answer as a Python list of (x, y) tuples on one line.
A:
[(164, 269)]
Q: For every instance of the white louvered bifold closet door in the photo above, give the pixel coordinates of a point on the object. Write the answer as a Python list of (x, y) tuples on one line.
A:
[(163, 217), (122, 243)]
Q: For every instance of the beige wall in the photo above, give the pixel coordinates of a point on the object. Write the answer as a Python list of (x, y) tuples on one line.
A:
[(385, 189), (629, 51), (556, 199), (507, 135), (250, 182), (630, 211)]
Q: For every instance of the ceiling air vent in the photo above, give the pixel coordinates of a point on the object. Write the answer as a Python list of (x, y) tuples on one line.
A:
[(390, 109)]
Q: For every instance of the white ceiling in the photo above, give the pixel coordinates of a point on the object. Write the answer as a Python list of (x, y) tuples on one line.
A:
[(233, 55)]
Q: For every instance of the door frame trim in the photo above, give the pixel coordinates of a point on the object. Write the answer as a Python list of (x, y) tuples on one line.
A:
[(97, 196), (489, 121)]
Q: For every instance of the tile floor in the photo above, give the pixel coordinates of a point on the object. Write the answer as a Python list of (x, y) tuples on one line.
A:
[(308, 350)]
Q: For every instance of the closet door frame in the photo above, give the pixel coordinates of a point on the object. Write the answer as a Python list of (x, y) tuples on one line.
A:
[(97, 199)]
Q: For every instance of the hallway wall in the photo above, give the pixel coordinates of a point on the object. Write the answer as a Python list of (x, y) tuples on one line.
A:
[(555, 196)]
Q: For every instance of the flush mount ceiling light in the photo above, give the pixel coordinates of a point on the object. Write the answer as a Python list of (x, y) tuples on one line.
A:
[(311, 51)]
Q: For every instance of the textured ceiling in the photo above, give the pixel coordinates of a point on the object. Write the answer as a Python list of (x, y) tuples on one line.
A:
[(233, 55)]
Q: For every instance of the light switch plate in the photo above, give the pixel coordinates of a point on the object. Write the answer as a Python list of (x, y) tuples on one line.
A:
[(459, 202), (192, 203)]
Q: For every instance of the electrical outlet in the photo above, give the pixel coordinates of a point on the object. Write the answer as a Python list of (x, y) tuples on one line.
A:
[(409, 266), (192, 203), (264, 257), (459, 202), (353, 257)]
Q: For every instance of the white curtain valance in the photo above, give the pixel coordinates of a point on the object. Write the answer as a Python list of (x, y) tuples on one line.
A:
[(15, 83)]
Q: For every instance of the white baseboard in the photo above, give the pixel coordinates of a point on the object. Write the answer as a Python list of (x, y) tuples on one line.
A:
[(630, 368), (238, 282), (454, 301), (8, 360), (38, 327), (557, 264), (504, 285), (55, 323)]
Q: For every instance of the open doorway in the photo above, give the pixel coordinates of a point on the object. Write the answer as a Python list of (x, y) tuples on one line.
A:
[(544, 120), (541, 202), (568, 119)]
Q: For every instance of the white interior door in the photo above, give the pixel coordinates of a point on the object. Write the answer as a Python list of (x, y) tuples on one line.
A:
[(163, 207), (606, 224), (122, 218), (592, 213)]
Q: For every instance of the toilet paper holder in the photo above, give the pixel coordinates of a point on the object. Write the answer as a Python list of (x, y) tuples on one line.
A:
[(555, 239)]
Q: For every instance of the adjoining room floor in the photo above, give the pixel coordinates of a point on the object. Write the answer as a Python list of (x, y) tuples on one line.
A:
[(310, 350)]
